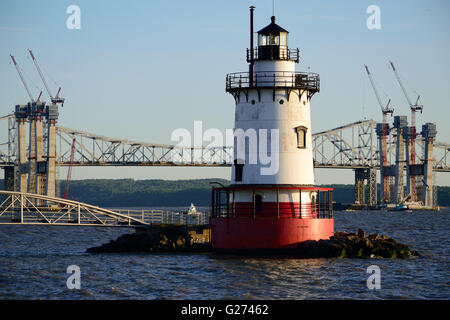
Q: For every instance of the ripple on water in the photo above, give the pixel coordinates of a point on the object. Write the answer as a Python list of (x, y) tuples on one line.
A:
[(33, 265)]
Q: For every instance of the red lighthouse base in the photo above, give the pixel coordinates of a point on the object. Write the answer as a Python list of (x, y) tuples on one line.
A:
[(246, 234), (269, 226)]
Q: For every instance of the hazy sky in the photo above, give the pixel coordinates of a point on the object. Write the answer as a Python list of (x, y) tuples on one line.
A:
[(141, 69)]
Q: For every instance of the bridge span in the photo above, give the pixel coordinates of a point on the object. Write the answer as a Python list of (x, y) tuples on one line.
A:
[(352, 146), (19, 208), (34, 209)]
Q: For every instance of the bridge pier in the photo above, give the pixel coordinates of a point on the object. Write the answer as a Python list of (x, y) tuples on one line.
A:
[(20, 183), (360, 192), (37, 167), (400, 123), (428, 133), (361, 175), (9, 178), (52, 117)]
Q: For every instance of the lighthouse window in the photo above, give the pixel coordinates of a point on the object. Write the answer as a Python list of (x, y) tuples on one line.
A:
[(283, 38), (258, 203), (238, 170), (271, 39), (301, 137)]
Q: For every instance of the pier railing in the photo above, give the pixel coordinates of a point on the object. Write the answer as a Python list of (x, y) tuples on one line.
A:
[(156, 216)]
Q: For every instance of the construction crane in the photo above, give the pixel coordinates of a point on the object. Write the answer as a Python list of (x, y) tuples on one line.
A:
[(414, 108), (69, 172), (56, 99), (23, 81), (385, 111)]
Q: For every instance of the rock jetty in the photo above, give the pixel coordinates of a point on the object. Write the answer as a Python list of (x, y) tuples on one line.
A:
[(162, 238), (356, 245), (170, 238)]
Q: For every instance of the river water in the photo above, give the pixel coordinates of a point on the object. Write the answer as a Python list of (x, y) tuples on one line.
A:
[(34, 261)]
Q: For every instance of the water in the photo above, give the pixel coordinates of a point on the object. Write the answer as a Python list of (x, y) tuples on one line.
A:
[(33, 263)]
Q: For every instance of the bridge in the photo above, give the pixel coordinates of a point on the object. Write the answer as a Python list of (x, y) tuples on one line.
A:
[(19, 208), (351, 146)]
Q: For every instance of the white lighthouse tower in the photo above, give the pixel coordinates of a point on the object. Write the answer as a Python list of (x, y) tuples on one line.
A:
[(272, 202)]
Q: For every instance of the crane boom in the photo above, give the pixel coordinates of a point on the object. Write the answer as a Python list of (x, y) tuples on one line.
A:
[(374, 88), (22, 79), (54, 100), (401, 84), (40, 73), (384, 110)]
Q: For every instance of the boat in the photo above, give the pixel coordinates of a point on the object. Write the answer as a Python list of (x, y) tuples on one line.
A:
[(401, 207), (192, 209)]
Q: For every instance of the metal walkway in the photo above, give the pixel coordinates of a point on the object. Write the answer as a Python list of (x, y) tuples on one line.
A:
[(31, 209)]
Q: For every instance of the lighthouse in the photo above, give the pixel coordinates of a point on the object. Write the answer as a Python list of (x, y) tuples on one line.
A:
[(272, 202)]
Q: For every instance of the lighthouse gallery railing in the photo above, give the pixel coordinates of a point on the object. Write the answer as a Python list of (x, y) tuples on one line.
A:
[(284, 79)]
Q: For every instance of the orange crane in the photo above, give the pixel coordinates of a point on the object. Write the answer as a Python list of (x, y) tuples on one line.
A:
[(23, 81), (414, 108), (69, 172), (56, 99), (385, 111)]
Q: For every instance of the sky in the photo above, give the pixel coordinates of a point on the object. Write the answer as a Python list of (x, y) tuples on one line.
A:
[(139, 70)]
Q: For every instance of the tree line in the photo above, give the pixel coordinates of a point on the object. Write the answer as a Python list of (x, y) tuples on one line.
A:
[(174, 193)]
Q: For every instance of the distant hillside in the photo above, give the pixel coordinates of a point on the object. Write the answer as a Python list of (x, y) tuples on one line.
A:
[(143, 193), (153, 193)]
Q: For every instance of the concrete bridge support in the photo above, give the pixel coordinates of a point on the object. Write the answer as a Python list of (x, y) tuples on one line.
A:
[(21, 165), (361, 175), (429, 133), (400, 122), (382, 130), (36, 168), (9, 178), (51, 116)]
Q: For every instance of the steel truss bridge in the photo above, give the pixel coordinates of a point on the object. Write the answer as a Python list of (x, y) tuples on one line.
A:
[(19, 208), (352, 146)]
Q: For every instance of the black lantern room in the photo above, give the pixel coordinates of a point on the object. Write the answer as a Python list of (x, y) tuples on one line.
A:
[(273, 44)]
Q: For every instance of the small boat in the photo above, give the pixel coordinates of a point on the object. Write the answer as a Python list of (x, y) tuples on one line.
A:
[(192, 209), (401, 207)]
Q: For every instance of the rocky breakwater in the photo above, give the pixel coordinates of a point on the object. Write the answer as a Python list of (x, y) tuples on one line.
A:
[(355, 245), (181, 238), (161, 238)]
